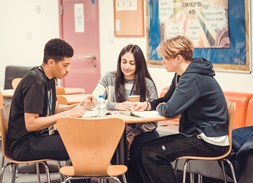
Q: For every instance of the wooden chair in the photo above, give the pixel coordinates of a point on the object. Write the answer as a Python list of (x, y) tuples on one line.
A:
[(91, 144), (1, 99), (13, 71), (1, 104), (62, 100), (222, 158), (4, 118), (60, 90), (15, 82)]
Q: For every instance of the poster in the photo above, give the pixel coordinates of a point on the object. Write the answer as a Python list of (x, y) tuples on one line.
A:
[(228, 53), (204, 22)]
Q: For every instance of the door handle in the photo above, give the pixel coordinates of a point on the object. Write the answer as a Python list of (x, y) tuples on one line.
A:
[(92, 58)]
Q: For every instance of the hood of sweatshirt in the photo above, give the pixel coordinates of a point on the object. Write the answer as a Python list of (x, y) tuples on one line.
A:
[(200, 66)]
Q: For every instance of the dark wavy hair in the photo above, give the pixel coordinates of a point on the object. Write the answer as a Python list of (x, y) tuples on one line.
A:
[(140, 74), (57, 49)]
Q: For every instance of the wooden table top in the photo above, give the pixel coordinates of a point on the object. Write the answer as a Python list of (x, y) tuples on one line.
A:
[(71, 91), (75, 98), (127, 118), (8, 93)]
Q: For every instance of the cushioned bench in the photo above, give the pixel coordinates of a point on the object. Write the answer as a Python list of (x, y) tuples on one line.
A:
[(249, 116), (242, 99)]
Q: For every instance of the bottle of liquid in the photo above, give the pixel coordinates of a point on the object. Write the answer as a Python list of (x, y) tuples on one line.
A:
[(101, 106)]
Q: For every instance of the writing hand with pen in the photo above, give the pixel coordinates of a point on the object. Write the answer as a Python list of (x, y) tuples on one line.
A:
[(89, 102)]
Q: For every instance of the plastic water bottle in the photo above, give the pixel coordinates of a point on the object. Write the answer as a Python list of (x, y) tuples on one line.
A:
[(101, 106)]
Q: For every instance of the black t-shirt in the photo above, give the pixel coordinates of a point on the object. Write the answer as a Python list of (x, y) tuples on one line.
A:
[(33, 95)]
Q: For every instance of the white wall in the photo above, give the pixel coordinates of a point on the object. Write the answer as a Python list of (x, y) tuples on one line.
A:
[(27, 24)]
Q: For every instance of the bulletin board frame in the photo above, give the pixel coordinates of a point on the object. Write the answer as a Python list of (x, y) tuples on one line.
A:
[(129, 20), (236, 58)]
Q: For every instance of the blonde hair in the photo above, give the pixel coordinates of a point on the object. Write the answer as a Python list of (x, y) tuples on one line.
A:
[(179, 45)]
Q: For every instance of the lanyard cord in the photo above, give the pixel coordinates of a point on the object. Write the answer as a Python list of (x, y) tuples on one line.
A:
[(49, 95), (49, 105), (132, 89)]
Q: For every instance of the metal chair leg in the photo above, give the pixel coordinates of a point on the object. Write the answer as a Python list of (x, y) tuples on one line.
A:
[(176, 166), (232, 170), (200, 178), (184, 170), (3, 170), (14, 173), (59, 166), (124, 178), (223, 172), (47, 172), (191, 177), (38, 171)]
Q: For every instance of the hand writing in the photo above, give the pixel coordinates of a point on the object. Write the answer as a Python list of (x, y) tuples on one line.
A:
[(89, 102), (77, 112)]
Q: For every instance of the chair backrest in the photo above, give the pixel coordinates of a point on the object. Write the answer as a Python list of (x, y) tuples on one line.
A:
[(4, 120), (90, 143), (164, 91), (1, 99), (242, 100), (60, 90), (15, 82), (231, 114), (12, 72), (62, 100)]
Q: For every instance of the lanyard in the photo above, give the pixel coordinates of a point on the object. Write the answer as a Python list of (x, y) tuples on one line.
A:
[(131, 92), (49, 95), (50, 129), (49, 102)]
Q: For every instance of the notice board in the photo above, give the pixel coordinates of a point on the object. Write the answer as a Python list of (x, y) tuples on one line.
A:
[(234, 57), (128, 18)]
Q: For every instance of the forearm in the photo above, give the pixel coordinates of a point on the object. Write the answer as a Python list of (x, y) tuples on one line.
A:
[(155, 103), (61, 108), (33, 123)]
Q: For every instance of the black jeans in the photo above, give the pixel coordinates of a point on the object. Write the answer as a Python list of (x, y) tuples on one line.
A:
[(42, 147), (133, 174), (155, 157)]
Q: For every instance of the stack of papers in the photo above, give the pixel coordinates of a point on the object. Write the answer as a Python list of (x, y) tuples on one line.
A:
[(145, 114), (142, 114)]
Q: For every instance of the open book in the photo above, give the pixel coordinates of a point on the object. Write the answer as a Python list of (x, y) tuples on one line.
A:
[(145, 114), (91, 113)]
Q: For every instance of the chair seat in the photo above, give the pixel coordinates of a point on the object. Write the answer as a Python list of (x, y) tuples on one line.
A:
[(206, 158), (25, 162), (113, 170)]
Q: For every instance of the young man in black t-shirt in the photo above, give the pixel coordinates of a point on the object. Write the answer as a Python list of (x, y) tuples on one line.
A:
[(34, 108)]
